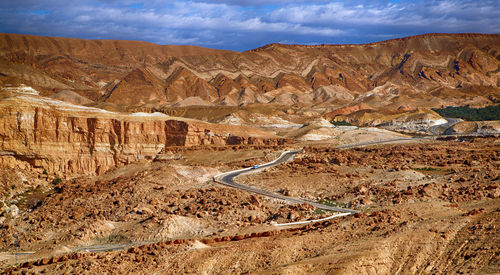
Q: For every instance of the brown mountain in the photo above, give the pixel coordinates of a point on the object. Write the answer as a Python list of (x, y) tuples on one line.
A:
[(130, 90), (419, 71)]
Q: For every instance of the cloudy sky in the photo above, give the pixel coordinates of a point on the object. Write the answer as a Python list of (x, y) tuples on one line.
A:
[(247, 24)]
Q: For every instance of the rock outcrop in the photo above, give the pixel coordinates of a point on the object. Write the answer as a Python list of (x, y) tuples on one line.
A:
[(418, 120), (474, 128), (66, 139)]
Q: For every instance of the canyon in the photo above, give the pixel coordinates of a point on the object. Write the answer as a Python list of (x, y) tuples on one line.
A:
[(109, 148), (65, 139)]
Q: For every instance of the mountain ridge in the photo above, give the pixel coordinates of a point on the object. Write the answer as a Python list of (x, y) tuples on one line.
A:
[(462, 35), (381, 74)]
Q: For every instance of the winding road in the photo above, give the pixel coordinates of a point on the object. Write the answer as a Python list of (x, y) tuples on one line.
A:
[(440, 128), (346, 146), (227, 179)]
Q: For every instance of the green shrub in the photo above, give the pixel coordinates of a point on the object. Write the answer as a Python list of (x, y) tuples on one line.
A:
[(424, 168), (341, 123), (471, 114), (319, 211), (56, 181), (328, 202)]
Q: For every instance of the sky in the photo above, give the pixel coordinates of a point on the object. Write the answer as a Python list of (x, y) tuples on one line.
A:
[(245, 24)]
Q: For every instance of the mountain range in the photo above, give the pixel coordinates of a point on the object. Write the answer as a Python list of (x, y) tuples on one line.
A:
[(431, 70)]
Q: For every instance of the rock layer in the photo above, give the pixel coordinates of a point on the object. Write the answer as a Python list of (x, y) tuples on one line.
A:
[(68, 139), (421, 71)]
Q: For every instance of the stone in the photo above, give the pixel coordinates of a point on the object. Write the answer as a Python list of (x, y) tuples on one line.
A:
[(69, 140)]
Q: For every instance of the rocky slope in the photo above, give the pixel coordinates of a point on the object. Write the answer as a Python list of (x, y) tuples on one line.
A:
[(418, 120), (421, 71), (430, 208), (66, 139), (474, 128)]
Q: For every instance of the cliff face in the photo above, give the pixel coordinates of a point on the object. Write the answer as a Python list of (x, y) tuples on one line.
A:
[(69, 139)]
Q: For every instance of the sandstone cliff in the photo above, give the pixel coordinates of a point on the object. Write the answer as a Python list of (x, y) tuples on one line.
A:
[(66, 139)]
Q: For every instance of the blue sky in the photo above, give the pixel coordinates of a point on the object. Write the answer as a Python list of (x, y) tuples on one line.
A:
[(246, 24)]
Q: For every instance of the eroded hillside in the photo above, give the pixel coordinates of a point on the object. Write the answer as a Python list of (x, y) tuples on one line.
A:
[(421, 71)]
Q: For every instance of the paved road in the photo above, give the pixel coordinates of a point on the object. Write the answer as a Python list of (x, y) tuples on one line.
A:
[(105, 247), (345, 146), (227, 179), (445, 126), (312, 221)]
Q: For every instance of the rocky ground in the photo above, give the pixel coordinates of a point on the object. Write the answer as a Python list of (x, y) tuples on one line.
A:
[(424, 208)]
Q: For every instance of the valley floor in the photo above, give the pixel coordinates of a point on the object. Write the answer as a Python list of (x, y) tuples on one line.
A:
[(429, 207)]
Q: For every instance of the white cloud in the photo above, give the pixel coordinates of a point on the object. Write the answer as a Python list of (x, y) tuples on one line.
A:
[(83, 18), (243, 24), (196, 16)]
